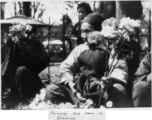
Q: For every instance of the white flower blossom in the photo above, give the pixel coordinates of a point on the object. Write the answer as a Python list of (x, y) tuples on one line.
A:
[(126, 27), (109, 104), (18, 27), (111, 33), (129, 24), (109, 22), (109, 29), (94, 37), (24, 24), (18, 31), (28, 28)]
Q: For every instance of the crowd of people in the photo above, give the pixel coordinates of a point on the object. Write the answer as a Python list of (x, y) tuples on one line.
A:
[(129, 84)]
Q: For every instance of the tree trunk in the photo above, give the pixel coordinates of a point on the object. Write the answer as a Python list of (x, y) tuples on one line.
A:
[(2, 9), (94, 3), (27, 9), (15, 12), (118, 11), (20, 8)]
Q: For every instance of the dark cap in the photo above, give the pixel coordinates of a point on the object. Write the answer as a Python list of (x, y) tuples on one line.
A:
[(95, 20)]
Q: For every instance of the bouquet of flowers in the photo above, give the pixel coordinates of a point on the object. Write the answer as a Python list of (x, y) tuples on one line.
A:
[(19, 31), (122, 33)]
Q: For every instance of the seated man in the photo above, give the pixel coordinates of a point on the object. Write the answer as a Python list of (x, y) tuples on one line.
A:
[(22, 61), (141, 93), (90, 60)]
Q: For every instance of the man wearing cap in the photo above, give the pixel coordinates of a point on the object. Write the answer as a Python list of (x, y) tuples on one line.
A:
[(90, 61)]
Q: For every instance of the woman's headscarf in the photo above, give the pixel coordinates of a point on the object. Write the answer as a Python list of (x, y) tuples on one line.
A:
[(95, 20)]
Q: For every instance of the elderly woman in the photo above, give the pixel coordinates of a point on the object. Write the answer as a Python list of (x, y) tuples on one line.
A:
[(90, 60)]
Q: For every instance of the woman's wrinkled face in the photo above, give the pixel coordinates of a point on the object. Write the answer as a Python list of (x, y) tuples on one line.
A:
[(81, 13), (86, 28)]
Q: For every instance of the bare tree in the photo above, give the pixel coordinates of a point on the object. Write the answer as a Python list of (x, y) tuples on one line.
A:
[(25, 8), (35, 8), (20, 8), (94, 3), (71, 3), (41, 14), (15, 11)]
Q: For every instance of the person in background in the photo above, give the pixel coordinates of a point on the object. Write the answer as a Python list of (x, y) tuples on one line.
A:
[(133, 10), (22, 61), (90, 60), (141, 93), (106, 9), (83, 10)]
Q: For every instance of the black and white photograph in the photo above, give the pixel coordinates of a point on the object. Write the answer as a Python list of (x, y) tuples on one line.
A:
[(75, 55)]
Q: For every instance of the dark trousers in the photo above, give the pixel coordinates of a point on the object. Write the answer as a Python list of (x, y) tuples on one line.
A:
[(58, 93), (22, 84), (119, 96), (141, 94)]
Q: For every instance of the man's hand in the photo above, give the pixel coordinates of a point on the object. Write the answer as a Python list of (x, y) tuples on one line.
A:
[(88, 104), (79, 96), (106, 82)]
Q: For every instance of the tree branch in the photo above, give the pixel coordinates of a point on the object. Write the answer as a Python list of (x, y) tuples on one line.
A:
[(20, 8)]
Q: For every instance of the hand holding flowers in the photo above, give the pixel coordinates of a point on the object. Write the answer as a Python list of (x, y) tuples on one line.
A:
[(106, 82)]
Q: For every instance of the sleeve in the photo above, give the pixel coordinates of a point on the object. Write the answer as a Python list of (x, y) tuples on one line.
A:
[(35, 56), (70, 66), (119, 69), (144, 66), (143, 73)]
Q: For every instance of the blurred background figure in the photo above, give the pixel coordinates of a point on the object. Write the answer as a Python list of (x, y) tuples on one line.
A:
[(106, 9), (83, 10), (133, 10), (142, 84)]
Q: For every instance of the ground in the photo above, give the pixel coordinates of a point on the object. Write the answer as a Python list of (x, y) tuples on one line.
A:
[(53, 71)]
